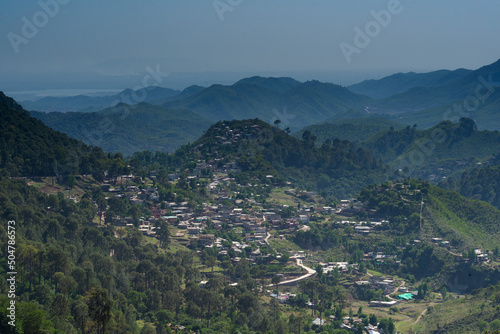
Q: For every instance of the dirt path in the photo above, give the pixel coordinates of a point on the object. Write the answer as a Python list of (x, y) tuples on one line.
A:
[(395, 290), (422, 315)]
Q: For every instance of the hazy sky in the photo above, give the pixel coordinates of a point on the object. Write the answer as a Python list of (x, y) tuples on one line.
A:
[(108, 42)]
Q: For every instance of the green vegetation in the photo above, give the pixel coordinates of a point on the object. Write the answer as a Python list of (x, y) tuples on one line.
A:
[(336, 168), (481, 183), (129, 128), (436, 152), (352, 129), (401, 82), (295, 104), (30, 148), (469, 314)]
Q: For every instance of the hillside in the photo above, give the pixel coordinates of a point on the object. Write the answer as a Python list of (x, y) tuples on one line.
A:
[(337, 168), (84, 103), (30, 148), (481, 183), (219, 102), (278, 85), (436, 152), (474, 314), (128, 129), (486, 114), (401, 82), (294, 104), (466, 223), (423, 105), (354, 130)]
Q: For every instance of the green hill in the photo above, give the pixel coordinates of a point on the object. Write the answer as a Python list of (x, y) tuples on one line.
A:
[(84, 103), (474, 314), (294, 104), (219, 102), (279, 85), (475, 94), (128, 129), (466, 223), (355, 129), (486, 115), (337, 168), (401, 82), (481, 183), (436, 152), (30, 148)]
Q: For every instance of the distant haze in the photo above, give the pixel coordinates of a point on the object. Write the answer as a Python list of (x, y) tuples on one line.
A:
[(108, 44)]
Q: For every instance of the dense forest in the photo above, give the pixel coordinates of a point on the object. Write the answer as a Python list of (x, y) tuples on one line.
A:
[(70, 283), (481, 183), (30, 148), (129, 128)]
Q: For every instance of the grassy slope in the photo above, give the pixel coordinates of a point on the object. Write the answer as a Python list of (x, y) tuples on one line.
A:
[(459, 316)]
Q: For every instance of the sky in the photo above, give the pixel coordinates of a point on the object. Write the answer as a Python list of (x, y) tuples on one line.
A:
[(109, 44)]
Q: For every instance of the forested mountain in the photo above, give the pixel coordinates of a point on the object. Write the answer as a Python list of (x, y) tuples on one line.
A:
[(130, 128), (401, 82), (84, 103), (338, 168), (219, 102), (481, 183), (352, 129), (30, 148), (279, 85), (474, 95), (294, 104), (435, 152), (484, 112)]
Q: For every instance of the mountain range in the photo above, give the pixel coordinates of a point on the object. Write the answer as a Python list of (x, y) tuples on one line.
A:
[(130, 128)]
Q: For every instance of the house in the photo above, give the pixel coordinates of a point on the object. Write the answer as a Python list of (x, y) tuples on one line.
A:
[(194, 230), (304, 219), (271, 216), (362, 229), (206, 239), (318, 322), (379, 303)]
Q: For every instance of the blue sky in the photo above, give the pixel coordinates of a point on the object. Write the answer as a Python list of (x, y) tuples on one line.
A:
[(108, 41)]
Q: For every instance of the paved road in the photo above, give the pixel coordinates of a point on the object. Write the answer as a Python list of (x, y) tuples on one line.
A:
[(294, 281)]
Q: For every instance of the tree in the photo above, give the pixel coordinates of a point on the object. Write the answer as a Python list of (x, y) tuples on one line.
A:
[(387, 325), (163, 234), (277, 123), (495, 325), (80, 314), (443, 292), (34, 319), (211, 262), (99, 307), (276, 280), (71, 181), (148, 329)]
